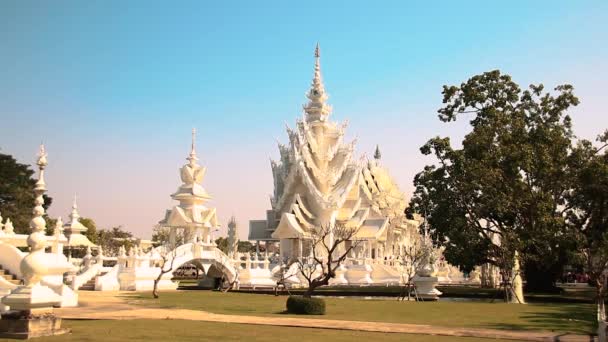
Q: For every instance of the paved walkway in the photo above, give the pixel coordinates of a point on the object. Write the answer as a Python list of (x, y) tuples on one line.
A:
[(110, 306)]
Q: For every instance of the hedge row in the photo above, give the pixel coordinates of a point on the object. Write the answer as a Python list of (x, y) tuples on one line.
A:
[(305, 306)]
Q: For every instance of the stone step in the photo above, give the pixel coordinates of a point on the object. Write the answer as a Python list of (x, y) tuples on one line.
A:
[(7, 276), (89, 285)]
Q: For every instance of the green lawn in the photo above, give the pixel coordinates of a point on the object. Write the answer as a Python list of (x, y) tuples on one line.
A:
[(577, 318), (181, 330)]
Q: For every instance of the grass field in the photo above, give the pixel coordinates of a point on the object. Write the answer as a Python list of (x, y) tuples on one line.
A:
[(181, 330), (571, 317)]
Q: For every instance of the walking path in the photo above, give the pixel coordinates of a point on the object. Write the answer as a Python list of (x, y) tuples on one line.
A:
[(110, 306)]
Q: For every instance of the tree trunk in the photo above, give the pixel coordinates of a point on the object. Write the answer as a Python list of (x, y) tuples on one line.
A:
[(601, 315), (155, 288), (309, 291)]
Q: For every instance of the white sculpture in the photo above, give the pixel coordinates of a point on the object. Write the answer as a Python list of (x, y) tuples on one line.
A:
[(34, 301), (191, 215), (425, 279), (8, 227), (518, 287)]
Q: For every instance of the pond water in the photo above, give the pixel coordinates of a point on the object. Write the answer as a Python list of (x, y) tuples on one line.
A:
[(441, 299)]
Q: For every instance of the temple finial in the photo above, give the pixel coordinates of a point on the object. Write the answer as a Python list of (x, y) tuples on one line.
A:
[(192, 157), (377, 154), (193, 140), (317, 109), (74, 216), (42, 162), (42, 156)]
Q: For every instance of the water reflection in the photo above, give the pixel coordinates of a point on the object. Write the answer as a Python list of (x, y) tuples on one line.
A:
[(441, 299)]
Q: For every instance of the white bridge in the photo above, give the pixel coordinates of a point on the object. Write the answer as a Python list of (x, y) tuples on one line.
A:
[(136, 271), (204, 255)]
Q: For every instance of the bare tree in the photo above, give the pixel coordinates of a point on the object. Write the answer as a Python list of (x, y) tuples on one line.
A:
[(411, 259), (329, 249), (164, 257), (226, 285), (282, 275)]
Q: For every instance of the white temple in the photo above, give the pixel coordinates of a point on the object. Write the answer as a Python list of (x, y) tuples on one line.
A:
[(319, 182)]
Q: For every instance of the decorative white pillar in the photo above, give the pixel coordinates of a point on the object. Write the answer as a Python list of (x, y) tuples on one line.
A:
[(58, 234), (300, 249), (172, 237), (33, 301)]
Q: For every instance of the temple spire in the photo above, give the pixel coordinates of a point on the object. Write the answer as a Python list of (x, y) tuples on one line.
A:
[(377, 154), (317, 109), (192, 157), (74, 215)]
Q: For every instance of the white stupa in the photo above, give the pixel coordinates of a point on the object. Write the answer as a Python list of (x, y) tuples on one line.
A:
[(73, 230)]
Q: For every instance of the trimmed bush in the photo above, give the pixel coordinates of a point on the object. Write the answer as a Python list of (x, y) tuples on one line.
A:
[(305, 306)]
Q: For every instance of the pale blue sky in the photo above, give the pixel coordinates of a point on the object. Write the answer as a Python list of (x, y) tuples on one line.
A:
[(114, 87)]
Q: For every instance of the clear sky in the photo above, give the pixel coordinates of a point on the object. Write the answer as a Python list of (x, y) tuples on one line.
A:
[(113, 88)]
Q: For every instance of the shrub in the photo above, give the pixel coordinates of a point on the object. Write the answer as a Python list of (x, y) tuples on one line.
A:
[(305, 306)]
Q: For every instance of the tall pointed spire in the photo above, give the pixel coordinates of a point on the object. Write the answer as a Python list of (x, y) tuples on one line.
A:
[(232, 237), (74, 215), (192, 158), (377, 154), (317, 109)]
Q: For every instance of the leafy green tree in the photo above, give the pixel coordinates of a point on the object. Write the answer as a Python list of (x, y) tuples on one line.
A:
[(588, 215), (245, 247), (162, 236), (91, 232), (222, 244), (17, 193), (112, 239), (504, 191)]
